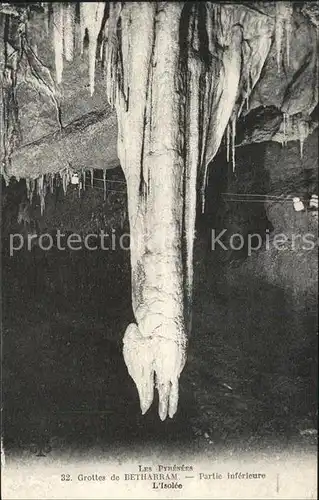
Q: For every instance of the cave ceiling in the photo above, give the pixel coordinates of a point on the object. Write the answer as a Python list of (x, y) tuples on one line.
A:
[(52, 118)]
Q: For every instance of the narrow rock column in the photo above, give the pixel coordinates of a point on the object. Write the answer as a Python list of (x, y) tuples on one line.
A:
[(152, 157)]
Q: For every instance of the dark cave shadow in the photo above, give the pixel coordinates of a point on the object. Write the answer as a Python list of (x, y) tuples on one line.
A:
[(223, 212), (65, 377)]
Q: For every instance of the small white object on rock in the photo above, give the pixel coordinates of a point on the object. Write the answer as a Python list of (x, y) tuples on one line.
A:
[(313, 203), (308, 432), (298, 205), (75, 179)]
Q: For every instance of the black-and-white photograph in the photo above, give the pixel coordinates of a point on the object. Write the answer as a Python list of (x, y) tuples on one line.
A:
[(159, 245)]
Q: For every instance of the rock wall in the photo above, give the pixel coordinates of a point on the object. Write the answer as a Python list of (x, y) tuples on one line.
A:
[(258, 198)]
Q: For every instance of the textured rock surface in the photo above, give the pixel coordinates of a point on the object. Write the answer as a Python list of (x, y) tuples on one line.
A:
[(291, 90), (87, 142)]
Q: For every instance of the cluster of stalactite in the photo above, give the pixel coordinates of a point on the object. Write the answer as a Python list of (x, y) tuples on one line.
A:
[(179, 76), (47, 183), (100, 26)]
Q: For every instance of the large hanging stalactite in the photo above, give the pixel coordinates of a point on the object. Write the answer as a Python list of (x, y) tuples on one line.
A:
[(151, 158)]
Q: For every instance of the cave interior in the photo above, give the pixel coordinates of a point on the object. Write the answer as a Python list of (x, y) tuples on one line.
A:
[(250, 378)]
